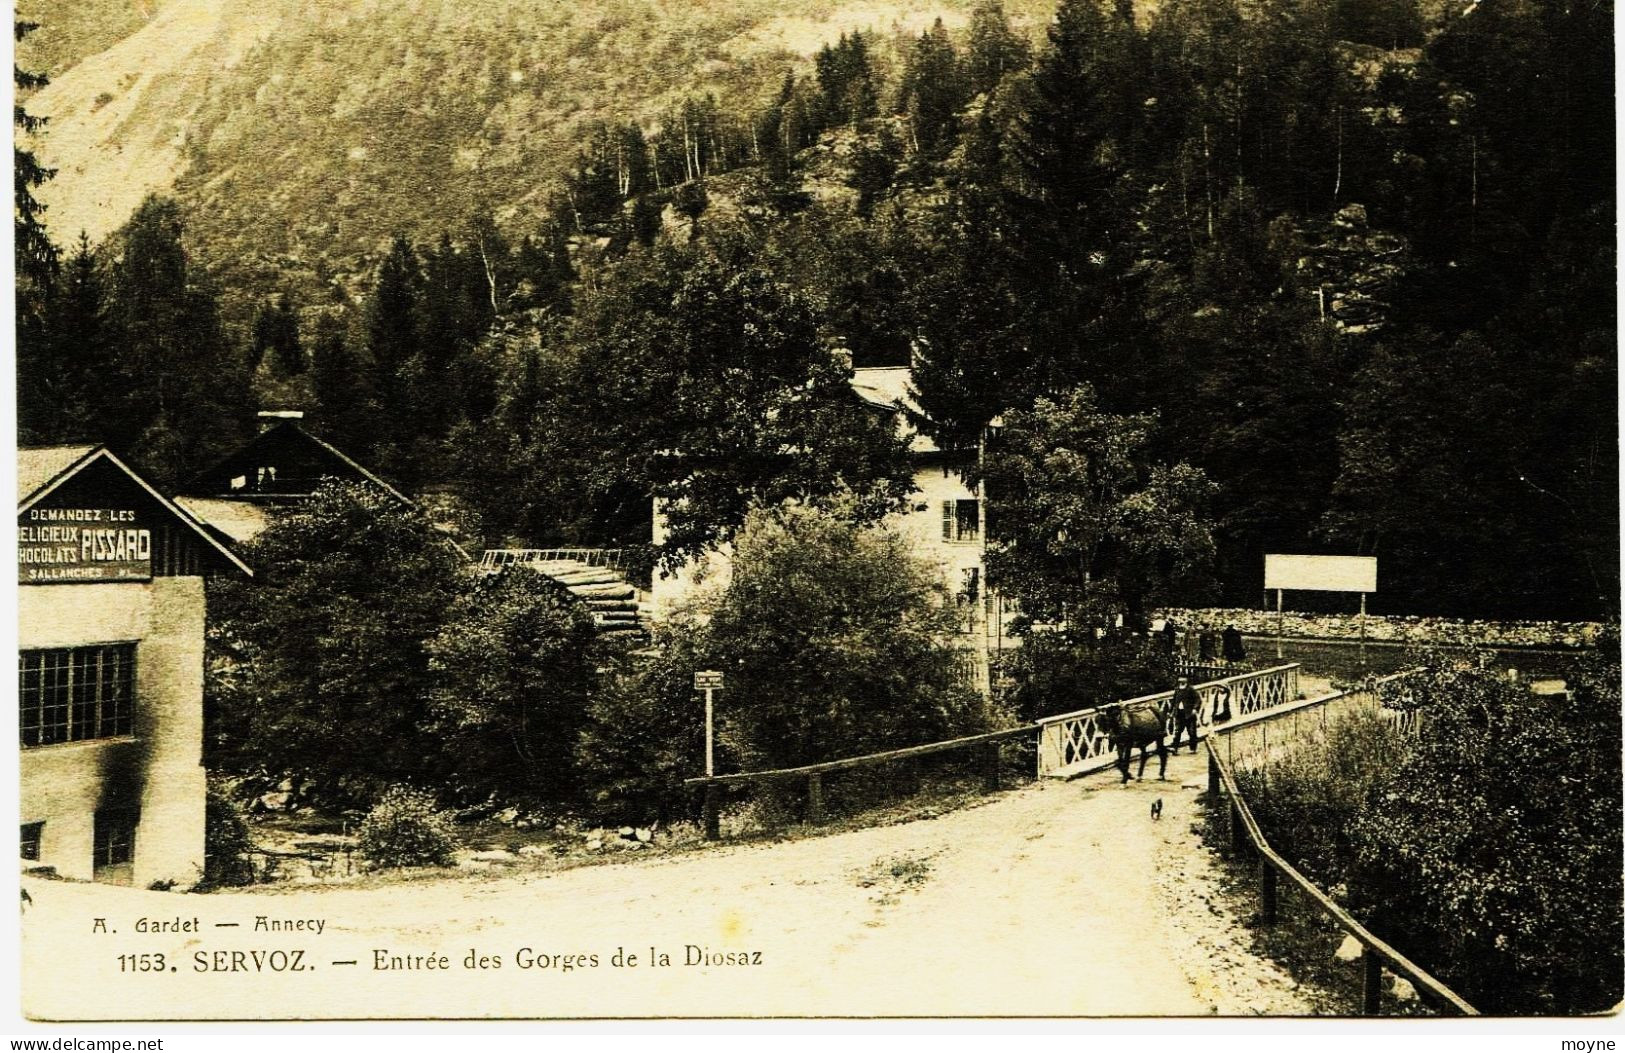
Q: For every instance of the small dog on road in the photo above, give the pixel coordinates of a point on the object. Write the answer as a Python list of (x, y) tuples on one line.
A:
[(1156, 808)]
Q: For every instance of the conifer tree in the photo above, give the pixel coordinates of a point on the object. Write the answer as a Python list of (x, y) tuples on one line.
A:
[(994, 50), (395, 343), (276, 331), (63, 368), (36, 257), (933, 90), (179, 395), (40, 388), (346, 402), (543, 272), (846, 80), (1067, 207)]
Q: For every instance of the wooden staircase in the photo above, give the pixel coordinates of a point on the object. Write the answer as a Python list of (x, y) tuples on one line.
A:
[(592, 576)]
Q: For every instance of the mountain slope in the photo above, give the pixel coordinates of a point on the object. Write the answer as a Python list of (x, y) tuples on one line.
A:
[(118, 119), (302, 134), (69, 33)]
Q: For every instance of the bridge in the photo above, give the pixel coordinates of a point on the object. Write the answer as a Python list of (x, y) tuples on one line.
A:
[(1063, 897), (1264, 716)]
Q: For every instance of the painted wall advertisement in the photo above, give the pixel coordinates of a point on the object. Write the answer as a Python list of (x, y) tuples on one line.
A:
[(72, 545)]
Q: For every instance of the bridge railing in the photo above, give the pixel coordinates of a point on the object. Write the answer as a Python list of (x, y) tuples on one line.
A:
[(1244, 744), (1080, 741), (1263, 736), (1063, 740)]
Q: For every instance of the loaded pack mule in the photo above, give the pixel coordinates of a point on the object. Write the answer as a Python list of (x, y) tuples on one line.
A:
[(1144, 724)]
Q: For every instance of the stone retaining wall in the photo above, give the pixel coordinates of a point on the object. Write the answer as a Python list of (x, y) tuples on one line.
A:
[(1415, 629)]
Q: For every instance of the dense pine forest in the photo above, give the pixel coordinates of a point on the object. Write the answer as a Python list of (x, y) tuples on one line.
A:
[(1355, 256)]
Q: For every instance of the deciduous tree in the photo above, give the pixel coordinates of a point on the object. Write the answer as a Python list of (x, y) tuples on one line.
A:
[(321, 666), (1082, 526), (514, 668)]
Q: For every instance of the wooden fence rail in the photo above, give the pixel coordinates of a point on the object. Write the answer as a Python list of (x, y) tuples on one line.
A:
[(814, 773), (1244, 831)]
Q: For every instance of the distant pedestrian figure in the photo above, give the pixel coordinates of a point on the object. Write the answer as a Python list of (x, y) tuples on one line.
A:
[(1208, 644), (1186, 704), (1233, 649), (1170, 635)]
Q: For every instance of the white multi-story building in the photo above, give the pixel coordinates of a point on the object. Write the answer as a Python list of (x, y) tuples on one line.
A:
[(944, 520)]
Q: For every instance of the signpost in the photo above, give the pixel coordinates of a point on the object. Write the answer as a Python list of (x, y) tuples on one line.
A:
[(709, 681), (1320, 574)]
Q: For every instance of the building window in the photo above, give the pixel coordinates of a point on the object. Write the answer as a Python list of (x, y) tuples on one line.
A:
[(115, 838), (31, 839), (959, 520), (77, 693)]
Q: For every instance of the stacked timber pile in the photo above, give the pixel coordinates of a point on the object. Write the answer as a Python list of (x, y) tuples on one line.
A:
[(612, 602)]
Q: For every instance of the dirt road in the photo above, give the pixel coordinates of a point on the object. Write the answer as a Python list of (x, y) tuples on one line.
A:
[(1055, 899)]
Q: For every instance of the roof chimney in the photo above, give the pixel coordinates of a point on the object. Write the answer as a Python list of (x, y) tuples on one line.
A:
[(271, 418)]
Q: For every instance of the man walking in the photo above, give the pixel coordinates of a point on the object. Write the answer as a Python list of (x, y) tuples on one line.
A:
[(1187, 703)]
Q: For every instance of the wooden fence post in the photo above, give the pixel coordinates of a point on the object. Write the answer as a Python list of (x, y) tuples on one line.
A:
[(1372, 987), (990, 767), (1212, 774), (815, 798), (1237, 836), (713, 813), (1268, 892)]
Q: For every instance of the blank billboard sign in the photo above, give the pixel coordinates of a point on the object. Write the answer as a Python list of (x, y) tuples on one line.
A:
[(1321, 573)]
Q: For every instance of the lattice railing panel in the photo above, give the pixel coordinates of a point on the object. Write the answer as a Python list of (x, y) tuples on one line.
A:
[(1073, 738), (1253, 745)]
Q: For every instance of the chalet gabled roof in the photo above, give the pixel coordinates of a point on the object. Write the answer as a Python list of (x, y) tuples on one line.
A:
[(41, 470), (38, 465), (214, 481)]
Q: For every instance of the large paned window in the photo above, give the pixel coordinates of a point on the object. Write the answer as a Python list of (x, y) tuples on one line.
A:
[(69, 694)]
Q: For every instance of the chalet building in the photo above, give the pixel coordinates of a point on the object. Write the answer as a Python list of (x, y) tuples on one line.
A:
[(944, 521), (282, 465), (110, 685)]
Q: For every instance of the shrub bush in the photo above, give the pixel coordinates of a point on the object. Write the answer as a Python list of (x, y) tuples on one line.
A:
[(405, 829), (1495, 854), (226, 843), (834, 640), (645, 733), (1307, 800), (1488, 847), (513, 675)]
